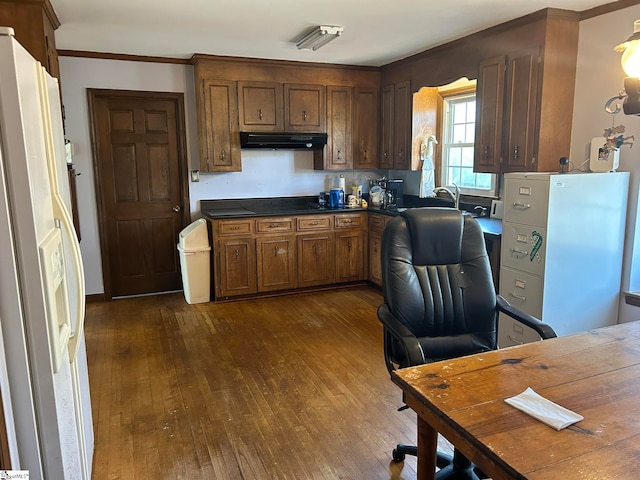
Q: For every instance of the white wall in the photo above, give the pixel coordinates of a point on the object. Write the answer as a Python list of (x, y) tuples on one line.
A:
[(264, 173), (600, 77)]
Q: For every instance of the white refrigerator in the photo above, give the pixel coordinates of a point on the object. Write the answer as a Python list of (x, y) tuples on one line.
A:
[(43, 367)]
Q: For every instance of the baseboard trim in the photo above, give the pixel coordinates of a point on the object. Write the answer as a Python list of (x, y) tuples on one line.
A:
[(95, 298)]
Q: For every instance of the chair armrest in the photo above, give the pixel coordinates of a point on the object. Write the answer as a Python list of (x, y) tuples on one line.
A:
[(544, 330), (415, 355)]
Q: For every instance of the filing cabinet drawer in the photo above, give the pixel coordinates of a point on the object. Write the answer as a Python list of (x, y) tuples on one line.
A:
[(512, 332), (523, 248), (526, 201), (522, 290), (273, 225)]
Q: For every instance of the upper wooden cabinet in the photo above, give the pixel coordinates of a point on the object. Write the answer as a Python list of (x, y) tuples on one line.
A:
[(525, 103), (304, 108), (365, 128), (395, 141), (507, 112), (34, 23), (277, 107), (260, 106), (217, 107), (338, 151)]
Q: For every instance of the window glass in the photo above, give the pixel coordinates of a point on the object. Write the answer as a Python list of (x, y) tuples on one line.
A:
[(458, 149)]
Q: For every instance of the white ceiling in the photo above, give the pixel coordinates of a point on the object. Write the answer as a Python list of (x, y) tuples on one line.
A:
[(376, 32)]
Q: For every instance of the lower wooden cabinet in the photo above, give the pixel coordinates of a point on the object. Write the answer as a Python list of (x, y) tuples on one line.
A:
[(316, 259), (376, 226), (253, 256), (276, 262), (235, 270)]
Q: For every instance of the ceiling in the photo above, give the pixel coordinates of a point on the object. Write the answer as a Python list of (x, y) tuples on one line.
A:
[(376, 32)]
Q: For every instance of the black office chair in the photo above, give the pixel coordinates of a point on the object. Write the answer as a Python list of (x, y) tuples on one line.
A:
[(439, 301)]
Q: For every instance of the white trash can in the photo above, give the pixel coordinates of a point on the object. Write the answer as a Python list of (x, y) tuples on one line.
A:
[(195, 251)]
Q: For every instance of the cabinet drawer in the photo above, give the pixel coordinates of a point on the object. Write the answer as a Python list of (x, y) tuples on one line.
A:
[(271, 225), (233, 227), (512, 332), (349, 220), (523, 248), (526, 201), (313, 222), (377, 222), (522, 290)]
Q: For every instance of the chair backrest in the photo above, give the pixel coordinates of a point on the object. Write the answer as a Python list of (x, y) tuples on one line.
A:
[(436, 279)]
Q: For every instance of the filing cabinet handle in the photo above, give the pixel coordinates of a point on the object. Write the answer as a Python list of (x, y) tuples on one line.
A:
[(511, 339), (521, 205), (519, 252), (519, 297)]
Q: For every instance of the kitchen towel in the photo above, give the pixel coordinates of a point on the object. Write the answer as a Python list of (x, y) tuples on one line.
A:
[(544, 410)]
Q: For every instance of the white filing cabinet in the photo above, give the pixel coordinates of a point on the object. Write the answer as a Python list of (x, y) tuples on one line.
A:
[(561, 254)]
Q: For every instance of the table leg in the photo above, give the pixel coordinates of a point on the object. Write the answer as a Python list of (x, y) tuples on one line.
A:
[(427, 449)]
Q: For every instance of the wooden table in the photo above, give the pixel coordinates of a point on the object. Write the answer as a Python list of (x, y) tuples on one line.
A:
[(595, 374)]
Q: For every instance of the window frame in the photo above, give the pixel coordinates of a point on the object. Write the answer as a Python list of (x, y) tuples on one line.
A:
[(446, 97)]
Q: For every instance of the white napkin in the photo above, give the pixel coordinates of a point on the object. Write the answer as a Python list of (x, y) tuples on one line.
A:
[(544, 410)]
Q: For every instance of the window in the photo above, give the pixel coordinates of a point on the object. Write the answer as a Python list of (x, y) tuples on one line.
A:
[(457, 149)]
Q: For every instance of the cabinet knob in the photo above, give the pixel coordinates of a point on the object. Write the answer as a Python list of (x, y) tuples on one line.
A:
[(364, 154), (515, 152), (260, 113), (485, 152), (222, 155), (237, 254), (304, 115), (176, 208)]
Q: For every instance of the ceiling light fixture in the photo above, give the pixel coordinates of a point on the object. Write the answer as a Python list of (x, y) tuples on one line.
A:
[(630, 62), (318, 37)]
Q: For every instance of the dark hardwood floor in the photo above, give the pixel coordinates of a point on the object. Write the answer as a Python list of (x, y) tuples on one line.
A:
[(290, 387)]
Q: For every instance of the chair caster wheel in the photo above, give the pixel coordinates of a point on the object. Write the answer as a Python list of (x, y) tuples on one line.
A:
[(397, 456)]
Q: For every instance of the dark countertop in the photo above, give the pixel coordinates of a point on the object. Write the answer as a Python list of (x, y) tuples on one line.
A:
[(269, 207)]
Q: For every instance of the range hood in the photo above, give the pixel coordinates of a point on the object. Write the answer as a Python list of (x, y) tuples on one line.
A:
[(290, 141)]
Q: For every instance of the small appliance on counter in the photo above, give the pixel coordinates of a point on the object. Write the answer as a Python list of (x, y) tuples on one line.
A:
[(336, 198), (396, 190)]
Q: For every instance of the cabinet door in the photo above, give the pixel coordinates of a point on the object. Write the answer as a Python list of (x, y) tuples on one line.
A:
[(316, 259), (304, 108), (489, 109), (350, 250), (218, 128), (387, 127), (375, 264), (236, 268), (521, 110), (276, 262), (260, 105), (403, 100), (338, 154), (365, 128)]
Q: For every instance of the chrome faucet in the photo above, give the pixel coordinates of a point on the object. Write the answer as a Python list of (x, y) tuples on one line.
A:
[(454, 196)]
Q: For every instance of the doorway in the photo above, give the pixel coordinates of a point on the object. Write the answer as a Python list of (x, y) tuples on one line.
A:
[(140, 168)]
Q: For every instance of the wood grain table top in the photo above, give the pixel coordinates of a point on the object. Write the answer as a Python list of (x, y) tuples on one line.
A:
[(595, 374)]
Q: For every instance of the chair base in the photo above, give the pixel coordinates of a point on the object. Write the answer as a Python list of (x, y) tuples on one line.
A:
[(450, 468)]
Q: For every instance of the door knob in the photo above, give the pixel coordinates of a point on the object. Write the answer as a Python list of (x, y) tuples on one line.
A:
[(177, 208)]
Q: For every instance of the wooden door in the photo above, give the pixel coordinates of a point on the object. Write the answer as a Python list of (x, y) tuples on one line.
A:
[(489, 109), (304, 108), (522, 110), (387, 127), (140, 170), (261, 106), (365, 128), (218, 125), (403, 103), (338, 150)]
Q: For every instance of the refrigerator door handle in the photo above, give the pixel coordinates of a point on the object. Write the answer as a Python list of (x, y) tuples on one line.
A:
[(61, 212)]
